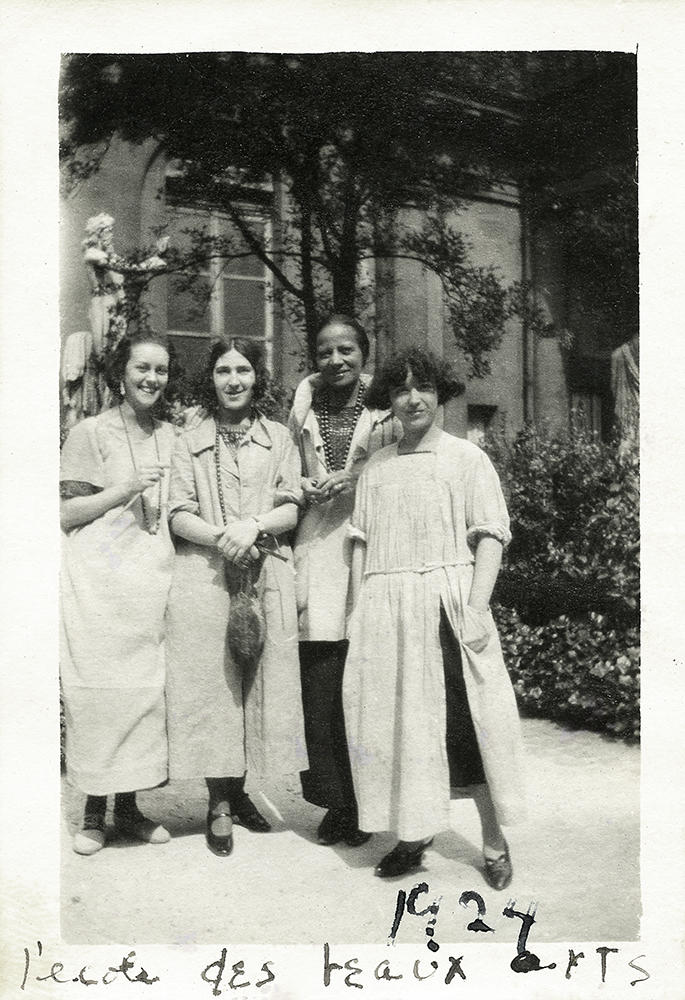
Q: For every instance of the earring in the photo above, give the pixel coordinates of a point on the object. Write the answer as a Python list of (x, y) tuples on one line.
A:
[(122, 389)]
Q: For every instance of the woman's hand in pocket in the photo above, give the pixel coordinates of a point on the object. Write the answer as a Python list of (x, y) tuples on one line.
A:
[(476, 629)]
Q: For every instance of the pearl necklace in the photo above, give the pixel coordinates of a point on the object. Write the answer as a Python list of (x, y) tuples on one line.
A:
[(152, 527), (325, 426)]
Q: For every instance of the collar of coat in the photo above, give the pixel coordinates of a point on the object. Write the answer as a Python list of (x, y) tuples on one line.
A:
[(304, 396), (204, 435)]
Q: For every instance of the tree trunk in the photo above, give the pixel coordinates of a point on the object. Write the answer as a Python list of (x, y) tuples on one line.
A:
[(344, 285), (311, 316), (345, 274)]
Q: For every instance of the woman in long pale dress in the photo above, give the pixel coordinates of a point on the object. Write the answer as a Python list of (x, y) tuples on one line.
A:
[(235, 484), (335, 434), (429, 706), (116, 572)]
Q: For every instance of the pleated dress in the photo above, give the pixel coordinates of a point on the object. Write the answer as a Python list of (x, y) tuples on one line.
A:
[(420, 516)]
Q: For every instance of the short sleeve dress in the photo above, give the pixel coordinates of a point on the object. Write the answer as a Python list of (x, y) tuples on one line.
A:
[(420, 516), (114, 582)]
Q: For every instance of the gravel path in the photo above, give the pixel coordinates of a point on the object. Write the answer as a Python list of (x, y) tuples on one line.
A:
[(577, 855)]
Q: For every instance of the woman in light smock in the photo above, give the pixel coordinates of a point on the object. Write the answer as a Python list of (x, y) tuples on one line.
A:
[(116, 573), (429, 707), (235, 487), (335, 434)]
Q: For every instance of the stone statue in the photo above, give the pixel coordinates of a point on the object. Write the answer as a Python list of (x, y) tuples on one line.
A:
[(85, 391)]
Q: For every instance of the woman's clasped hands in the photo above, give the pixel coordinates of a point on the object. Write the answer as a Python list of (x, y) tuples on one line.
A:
[(334, 484), (236, 542)]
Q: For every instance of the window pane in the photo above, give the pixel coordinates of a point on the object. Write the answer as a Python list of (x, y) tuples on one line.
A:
[(188, 308), (244, 265), (191, 352), (179, 221), (244, 307)]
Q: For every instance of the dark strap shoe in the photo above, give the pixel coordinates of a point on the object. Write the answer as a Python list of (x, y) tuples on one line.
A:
[(341, 825), (219, 844), (332, 827), (246, 814), (401, 860), (498, 872), (357, 837)]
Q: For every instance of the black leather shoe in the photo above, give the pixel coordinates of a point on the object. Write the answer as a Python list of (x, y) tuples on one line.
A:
[(247, 815), (221, 845), (357, 837), (401, 860), (332, 827), (498, 872)]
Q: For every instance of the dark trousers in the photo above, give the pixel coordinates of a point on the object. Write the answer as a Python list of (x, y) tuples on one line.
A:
[(463, 754), (328, 782)]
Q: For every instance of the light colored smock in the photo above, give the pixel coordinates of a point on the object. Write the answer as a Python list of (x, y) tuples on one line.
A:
[(420, 516), (221, 724), (114, 584), (322, 547)]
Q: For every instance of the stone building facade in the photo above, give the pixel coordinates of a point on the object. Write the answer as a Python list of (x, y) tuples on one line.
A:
[(532, 378)]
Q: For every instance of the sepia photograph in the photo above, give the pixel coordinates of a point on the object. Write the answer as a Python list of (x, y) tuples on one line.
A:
[(341, 391), (349, 590)]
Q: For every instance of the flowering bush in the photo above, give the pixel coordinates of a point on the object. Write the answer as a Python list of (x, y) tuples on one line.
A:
[(568, 593), (582, 671)]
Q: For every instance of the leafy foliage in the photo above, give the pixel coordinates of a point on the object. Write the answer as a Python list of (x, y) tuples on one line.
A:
[(581, 671), (568, 593), (574, 505), (352, 137)]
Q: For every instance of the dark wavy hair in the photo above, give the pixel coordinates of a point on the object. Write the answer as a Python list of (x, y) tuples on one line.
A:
[(115, 365), (424, 365), (360, 333), (205, 392)]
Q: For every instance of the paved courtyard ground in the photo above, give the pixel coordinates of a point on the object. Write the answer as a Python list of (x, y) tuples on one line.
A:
[(577, 855)]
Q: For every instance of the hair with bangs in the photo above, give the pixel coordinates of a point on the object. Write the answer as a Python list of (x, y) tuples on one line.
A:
[(206, 393), (424, 365)]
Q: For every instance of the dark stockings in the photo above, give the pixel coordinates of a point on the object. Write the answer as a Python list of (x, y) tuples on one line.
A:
[(125, 808), (94, 812), (226, 794)]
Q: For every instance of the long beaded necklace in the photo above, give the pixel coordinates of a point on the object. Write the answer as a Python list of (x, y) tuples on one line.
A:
[(151, 527), (325, 425)]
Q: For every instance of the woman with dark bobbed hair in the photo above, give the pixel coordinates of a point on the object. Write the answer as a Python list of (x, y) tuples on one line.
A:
[(233, 701), (116, 572), (426, 692), (335, 433)]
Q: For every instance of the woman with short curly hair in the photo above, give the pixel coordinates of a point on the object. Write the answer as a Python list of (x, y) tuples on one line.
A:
[(429, 707)]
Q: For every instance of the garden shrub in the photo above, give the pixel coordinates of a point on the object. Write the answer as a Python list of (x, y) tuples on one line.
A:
[(568, 593), (583, 671)]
